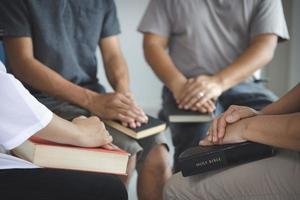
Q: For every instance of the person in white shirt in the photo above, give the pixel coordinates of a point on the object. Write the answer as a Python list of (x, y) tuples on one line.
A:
[(22, 116)]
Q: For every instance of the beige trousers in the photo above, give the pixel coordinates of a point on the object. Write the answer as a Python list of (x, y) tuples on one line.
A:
[(272, 178)]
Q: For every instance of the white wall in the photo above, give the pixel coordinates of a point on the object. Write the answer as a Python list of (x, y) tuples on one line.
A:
[(283, 71)]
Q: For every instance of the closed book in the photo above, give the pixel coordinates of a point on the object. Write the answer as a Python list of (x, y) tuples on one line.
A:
[(154, 126), (52, 155), (201, 159), (188, 116)]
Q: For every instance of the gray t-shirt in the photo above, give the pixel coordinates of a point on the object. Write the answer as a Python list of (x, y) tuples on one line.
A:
[(208, 35), (65, 33)]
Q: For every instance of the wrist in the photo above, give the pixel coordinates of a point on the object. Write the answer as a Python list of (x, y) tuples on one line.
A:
[(122, 86), (221, 81), (247, 127), (89, 99), (176, 85)]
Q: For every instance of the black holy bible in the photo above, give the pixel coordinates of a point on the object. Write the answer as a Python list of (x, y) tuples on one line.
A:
[(201, 159), (154, 126)]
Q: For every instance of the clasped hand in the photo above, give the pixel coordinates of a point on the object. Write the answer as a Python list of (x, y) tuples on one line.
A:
[(118, 106), (229, 126), (199, 94)]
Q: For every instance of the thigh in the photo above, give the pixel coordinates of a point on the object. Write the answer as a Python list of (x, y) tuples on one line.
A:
[(274, 178), (124, 142), (44, 184), (69, 111), (249, 94)]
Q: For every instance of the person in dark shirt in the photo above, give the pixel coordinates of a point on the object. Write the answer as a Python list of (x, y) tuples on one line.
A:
[(51, 48)]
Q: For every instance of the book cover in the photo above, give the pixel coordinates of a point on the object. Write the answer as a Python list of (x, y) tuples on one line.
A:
[(201, 159), (188, 116), (52, 155), (153, 126)]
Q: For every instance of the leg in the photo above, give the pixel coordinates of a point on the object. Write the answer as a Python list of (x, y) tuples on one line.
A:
[(272, 178), (131, 146), (249, 94), (184, 135), (37, 184), (156, 169), (130, 169)]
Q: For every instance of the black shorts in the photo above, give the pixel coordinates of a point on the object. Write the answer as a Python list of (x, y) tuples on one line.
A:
[(54, 184)]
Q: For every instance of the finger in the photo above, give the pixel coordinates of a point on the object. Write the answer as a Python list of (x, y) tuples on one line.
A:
[(215, 130), (221, 126), (131, 114), (201, 109), (124, 118), (190, 103), (192, 96), (202, 101), (239, 114), (207, 107), (211, 105), (108, 139), (132, 125), (138, 124), (79, 118), (110, 146), (210, 133), (205, 142), (185, 90)]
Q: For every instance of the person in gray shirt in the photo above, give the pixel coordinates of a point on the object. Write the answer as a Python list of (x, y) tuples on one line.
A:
[(214, 48), (51, 48)]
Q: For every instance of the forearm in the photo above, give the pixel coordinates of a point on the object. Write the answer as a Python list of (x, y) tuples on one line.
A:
[(163, 66), (277, 130), (60, 131), (44, 79), (117, 73), (289, 103), (258, 54)]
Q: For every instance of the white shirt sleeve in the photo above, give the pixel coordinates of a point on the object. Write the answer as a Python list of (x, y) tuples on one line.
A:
[(21, 115)]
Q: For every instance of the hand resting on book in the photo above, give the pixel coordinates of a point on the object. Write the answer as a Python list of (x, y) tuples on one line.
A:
[(276, 125), (83, 132), (216, 132)]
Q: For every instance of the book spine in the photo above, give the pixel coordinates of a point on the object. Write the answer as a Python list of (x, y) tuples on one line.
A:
[(202, 164)]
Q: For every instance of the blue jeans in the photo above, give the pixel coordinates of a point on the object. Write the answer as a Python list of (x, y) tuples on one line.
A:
[(185, 135)]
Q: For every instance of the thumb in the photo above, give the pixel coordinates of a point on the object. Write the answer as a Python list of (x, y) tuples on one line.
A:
[(205, 142), (238, 115)]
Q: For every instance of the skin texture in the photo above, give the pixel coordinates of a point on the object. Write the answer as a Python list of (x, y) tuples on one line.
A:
[(277, 124), (199, 93)]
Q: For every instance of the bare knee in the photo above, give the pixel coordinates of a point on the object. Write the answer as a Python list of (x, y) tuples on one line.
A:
[(158, 158)]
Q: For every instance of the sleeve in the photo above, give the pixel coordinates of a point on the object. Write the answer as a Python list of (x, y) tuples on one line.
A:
[(21, 114), (14, 18), (156, 19), (269, 18), (111, 24)]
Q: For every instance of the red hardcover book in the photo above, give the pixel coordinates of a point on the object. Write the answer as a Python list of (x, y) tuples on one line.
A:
[(52, 155)]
